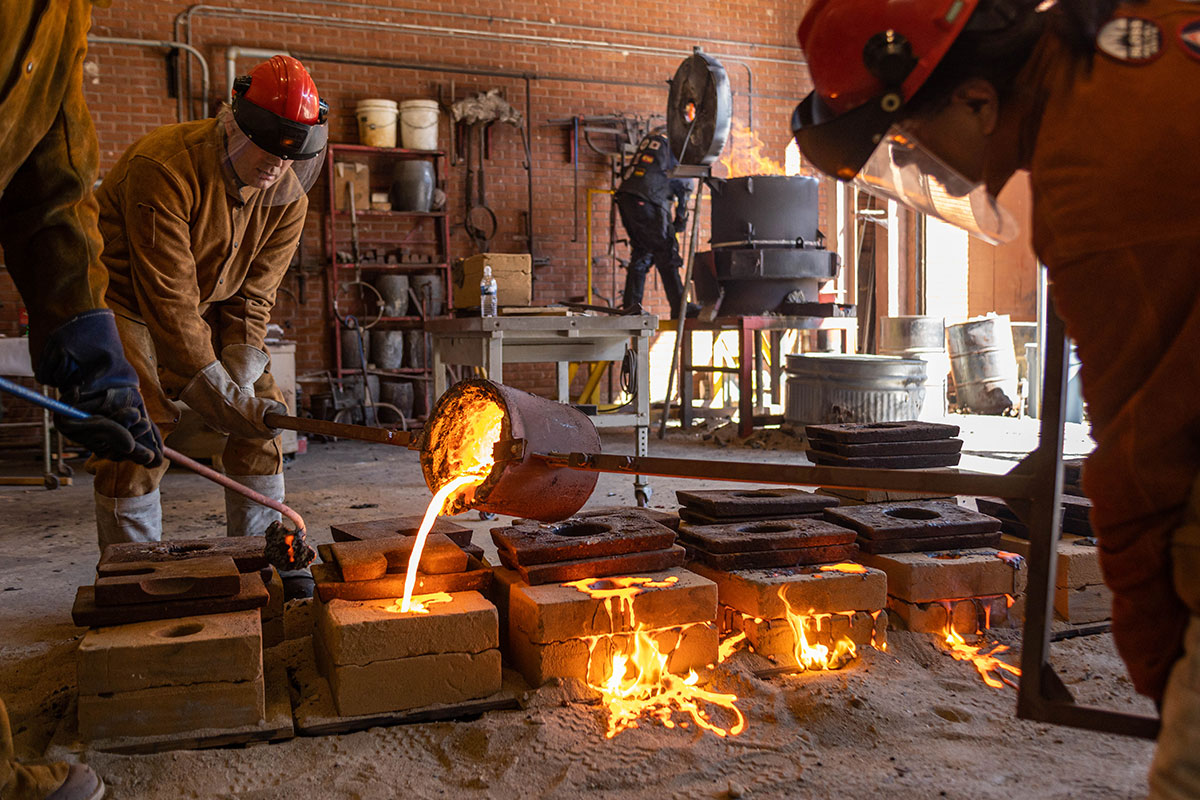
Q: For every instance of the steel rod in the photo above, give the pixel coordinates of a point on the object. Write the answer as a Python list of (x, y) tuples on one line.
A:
[(340, 430), (949, 483)]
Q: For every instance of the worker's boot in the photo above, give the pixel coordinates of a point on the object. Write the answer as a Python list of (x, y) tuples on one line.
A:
[(244, 517), (57, 781), (128, 519)]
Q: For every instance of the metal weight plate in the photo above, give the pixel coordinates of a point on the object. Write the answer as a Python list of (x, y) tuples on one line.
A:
[(699, 109)]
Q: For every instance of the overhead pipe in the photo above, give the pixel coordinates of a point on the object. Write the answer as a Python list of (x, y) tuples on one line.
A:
[(187, 48), (234, 52)]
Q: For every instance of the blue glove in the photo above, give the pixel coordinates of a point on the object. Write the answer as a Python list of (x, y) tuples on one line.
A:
[(84, 359)]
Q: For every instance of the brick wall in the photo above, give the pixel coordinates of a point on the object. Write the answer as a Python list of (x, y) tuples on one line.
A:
[(594, 57)]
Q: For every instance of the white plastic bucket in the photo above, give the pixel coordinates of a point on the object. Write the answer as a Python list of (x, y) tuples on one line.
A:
[(376, 122), (419, 124)]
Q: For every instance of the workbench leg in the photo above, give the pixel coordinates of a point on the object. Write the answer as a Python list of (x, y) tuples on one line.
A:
[(745, 380), (494, 359), (687, 389), (641, 432), (562, 370), (758, 370), (776, 362)]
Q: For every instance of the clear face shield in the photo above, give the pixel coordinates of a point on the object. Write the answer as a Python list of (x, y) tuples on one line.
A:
[(901, 169), (282, 181)]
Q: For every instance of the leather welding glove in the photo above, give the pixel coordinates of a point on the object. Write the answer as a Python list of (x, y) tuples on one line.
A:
[(84, 359), (245, 364), (227, 407)]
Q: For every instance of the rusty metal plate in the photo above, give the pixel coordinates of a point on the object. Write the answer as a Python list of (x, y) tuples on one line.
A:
[(765, 559), (726, 503), (785, 534), (87, 614), (152, 581), (872, 449), (665, 518), (575, 539), (623, 564), (373, 558), (696, 518), (866, 432), (246, 551), (927, 543), (885, 462), (330, 586), (912, 520), (398, 526)]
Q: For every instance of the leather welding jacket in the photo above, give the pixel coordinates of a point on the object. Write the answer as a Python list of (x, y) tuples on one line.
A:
[(1114, 165), (190, 255), (648, 176), (49, 159)]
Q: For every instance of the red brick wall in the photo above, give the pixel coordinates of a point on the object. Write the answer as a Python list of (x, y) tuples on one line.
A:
[(128, 92)]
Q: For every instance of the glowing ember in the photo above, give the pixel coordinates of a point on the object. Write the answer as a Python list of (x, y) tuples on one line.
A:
[(990, 668), (816, 656), (729, 645), (848, 568), (420, 603), (639, 684)]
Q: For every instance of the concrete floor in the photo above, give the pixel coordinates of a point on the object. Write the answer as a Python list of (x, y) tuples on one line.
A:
[(912, 721)]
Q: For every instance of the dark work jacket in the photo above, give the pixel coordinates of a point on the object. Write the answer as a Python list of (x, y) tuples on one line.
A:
[(648, 176)]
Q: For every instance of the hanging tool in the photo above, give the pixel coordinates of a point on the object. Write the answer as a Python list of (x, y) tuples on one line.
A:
[(480, 221), (285, 549)]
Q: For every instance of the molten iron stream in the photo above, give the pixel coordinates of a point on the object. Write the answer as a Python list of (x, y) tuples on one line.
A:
[(639, 684)]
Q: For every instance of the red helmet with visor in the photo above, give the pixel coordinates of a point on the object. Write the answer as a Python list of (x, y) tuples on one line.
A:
[(867, 58), (278, 108)]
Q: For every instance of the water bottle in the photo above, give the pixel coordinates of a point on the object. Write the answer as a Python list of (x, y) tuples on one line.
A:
[(487, 293)]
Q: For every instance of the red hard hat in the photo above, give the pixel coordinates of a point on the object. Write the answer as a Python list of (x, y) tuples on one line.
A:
[(278, 108), (867, 58)]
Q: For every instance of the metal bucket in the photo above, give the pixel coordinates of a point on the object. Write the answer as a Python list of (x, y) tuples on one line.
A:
[(525, 486), (830, 388), (922, 337), (984, 364)]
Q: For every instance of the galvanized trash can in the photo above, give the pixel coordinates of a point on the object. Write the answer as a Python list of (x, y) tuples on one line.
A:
[(984, 364), (827, 388), (922, 337)]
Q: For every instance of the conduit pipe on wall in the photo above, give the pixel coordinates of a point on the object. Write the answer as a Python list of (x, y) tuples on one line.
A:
[(187, 48), (233, 53)]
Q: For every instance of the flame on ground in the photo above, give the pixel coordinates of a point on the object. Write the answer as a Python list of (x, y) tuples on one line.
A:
[(817, 656), (639, 684), (468, 450), (983, 657)]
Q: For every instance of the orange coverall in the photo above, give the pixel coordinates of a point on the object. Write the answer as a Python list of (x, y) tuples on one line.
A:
[(1114, 163)]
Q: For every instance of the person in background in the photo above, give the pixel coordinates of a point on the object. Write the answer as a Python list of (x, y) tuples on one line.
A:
[(200, 221), (1098, 100), (49, 160), (644, 201)]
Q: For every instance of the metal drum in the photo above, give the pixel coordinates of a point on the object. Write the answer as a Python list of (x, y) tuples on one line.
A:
[(830, 388), (984, 364), (920, 337)]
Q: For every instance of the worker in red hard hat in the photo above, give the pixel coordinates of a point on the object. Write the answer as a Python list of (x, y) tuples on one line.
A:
[(938, 103), (200, 221)]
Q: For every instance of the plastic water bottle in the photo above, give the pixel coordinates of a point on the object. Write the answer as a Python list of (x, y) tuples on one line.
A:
[(487, 293)]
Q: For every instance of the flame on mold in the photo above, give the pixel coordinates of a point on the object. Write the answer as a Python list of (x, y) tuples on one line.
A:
[(846, 567), (466, 452), (419, 603), (639, 684), (817, 656), (1012, 559)]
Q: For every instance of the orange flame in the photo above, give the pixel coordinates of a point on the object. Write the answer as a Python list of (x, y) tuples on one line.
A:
[(471, 453), (743, 154), (729, 645), (847, 568), (639, 684), (817, 656), (990, 668)]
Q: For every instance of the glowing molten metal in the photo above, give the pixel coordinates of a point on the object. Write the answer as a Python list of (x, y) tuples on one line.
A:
[(466, 452), (639, 684), (817, 656), (990, 668), (847, 568)]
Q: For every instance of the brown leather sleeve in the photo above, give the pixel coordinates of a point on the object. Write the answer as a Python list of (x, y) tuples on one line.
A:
[(163, 269), (243, 317), (48, 226)]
